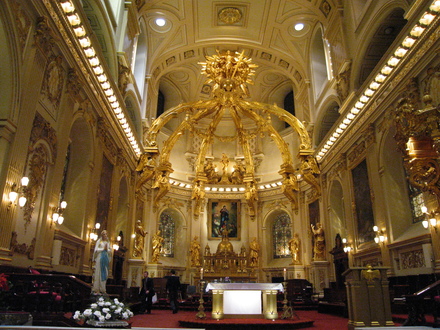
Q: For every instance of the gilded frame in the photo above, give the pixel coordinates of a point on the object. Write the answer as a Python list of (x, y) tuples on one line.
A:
[(230, 218)]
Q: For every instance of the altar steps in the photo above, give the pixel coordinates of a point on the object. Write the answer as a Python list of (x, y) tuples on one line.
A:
[(251, 324)]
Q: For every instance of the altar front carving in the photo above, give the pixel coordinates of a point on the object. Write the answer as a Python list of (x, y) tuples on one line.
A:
[(227, 263), (244, 300)]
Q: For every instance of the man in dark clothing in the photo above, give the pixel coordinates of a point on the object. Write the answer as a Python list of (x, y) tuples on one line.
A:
[(173, 286), (147, 293)]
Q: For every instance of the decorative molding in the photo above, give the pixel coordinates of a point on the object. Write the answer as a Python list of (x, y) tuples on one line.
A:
[(23, 23), (44, 36), (412, 259), (42, 130), (53, 81), (21, 248)]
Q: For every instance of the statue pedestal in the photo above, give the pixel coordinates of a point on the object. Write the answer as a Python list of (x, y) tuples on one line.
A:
[(319, 272), (368, 297), (135, 271), (155, 270)]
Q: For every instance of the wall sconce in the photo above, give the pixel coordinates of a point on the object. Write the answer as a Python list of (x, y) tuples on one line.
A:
[(347, 247), (93, 235), (380, 235), (430, 218), (57, 215), (15, 192)]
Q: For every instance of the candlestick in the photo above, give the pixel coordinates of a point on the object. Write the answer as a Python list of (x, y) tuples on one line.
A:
[(201, 313), (285, 274), (201, 273)]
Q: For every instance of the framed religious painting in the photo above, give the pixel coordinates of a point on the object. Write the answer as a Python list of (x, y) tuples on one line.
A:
[(224, 214)]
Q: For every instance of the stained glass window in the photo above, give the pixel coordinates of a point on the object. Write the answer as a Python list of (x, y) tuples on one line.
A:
[(167, 227), (417, 202), (281, 236)]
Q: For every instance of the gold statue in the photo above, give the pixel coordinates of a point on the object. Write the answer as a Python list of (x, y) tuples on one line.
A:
[(139, 241), (254, 253), (163, 183), (290, 189), (157, 247), (146, 167), (195, 252), (210, 172), (238, 173), (319, 242), (198, 195), (251, 197), (294, 247), (309, 168)]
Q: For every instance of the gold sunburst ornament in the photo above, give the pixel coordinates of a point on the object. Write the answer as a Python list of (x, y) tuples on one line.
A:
[(230, 73), (229, 15)]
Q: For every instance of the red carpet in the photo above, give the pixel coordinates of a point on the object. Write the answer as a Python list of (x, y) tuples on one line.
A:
[(166, 319)]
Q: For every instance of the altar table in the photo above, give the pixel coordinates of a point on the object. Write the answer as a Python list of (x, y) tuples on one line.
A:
[(244, 300)]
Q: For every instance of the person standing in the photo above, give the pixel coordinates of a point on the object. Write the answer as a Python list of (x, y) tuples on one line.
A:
[(101, 256), (173, 286), (147, 292)]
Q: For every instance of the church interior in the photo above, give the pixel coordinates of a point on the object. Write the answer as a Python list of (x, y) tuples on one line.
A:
[(233, 141)]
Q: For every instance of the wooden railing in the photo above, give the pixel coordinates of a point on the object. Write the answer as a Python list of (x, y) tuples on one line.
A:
[(48, 293), (422, 302)]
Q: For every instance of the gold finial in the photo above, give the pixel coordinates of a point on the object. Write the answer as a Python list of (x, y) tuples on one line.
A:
[(230, 73)]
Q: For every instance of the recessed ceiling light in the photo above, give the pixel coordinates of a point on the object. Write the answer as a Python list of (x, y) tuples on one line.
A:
[(299, 26), (160, 21)]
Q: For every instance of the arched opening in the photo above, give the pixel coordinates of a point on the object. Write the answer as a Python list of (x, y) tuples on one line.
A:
[(7, 80), (77, 175), (395, 183), (140, 60), (337, 210), (330, 117), (318, 63), (279, 233), (101, 26), (134, 114), (381, 40), (289, 104), (170, 226), (122, 211)]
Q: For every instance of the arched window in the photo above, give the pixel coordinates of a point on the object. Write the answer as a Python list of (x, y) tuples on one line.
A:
[(167, 225), (160, 104), (320, 72), (382, 39), (140, 61), (330, 117), (289, 105), (281, 236)]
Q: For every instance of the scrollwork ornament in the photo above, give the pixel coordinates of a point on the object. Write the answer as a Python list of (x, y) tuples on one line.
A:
[(23, 23), (42, 130), (424, 174), (44, 35), (74, 85), (37, 175), (53, 80), (230, 15)]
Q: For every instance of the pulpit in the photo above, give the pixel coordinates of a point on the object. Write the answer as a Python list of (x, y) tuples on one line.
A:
[(244, 300), (368, 297)]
